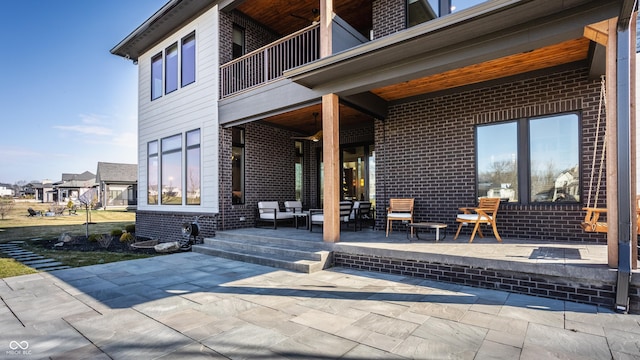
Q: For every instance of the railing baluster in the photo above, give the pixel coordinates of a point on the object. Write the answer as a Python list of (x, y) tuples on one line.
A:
[(269, 62)]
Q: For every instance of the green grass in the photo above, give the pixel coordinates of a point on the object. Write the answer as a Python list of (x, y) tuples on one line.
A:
[(11, 267), (82, 258)]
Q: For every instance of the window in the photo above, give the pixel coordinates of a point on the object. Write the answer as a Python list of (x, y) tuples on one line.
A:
[(188, 70), (237, 166), (171, 69), (156, 76), (152, 173), (238, 41), (299, 169), (530, 160), (171, 165), (193, 167), (186, 62)]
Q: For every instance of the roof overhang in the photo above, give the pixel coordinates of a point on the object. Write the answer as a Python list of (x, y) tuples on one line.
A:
[(500, 28), (164, 22)]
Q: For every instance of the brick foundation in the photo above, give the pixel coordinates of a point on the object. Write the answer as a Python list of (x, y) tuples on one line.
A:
[(580, 290)]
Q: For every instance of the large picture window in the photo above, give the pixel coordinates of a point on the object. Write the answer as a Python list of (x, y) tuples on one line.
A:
[(171, 165), (532, 160), (152, 173), (237, 166), (193, 167)]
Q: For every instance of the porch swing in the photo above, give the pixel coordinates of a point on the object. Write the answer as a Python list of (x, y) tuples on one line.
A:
[(591, 223)]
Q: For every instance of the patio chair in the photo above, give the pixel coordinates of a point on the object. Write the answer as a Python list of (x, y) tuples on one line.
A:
[(316, 216), (399, 210), (485, 213), (34, 212), (361, 212), (293, 206), (269, 211)]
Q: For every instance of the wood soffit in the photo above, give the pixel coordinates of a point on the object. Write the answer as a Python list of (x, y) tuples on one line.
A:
[(550, 56), (303, 121), (287, 16)]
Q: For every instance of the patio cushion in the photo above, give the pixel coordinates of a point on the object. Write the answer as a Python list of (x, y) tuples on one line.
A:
[(400, 216), (317, 217), (470, 217)]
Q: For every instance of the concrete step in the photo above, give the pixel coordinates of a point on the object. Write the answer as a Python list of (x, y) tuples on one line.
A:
[(279, 250), (292, 254), (273, 241)]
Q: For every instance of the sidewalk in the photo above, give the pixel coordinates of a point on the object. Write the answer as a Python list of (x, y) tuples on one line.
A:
[(194, 306)]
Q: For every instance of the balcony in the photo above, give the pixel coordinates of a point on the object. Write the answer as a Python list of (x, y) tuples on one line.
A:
[(265, 65)]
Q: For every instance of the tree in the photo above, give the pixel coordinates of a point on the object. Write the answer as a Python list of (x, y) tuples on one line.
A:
[(6, 205)]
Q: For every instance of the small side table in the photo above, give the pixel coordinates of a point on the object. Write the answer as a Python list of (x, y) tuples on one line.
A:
[(304, 215), (428, 225)]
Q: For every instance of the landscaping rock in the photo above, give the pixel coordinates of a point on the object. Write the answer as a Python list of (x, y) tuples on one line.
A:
[(167, 247)]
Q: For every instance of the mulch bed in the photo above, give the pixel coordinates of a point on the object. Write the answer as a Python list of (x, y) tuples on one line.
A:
[(80, 243)]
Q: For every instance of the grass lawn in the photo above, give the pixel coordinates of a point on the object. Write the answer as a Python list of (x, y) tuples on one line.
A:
[(18, 226)]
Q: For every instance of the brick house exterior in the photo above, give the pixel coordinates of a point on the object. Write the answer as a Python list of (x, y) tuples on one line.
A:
[(424, 141)]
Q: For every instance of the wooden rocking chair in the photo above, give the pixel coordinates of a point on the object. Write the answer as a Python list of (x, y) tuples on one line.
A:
[(485, 213)]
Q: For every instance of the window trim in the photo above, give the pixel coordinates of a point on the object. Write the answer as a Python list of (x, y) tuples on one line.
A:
[(149, 157), (164, 152)]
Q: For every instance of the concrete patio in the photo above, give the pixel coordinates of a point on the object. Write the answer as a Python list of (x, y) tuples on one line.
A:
[(190, 305)]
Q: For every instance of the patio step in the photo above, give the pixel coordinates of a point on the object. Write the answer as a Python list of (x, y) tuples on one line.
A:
[(296, 255)]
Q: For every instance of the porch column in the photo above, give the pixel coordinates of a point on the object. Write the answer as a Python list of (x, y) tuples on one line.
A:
[(331, 161), (326, 38), (611, 145)]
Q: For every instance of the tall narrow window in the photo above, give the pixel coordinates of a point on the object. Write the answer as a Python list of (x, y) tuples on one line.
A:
[(298, 169), (152, 173), (171, 164), (156, 76), (237, 166), (193, 167), (171, 69), (497, 160), (238, 41), (188, 70)]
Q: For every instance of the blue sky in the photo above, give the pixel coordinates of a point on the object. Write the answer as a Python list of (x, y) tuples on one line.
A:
[(66, 101)]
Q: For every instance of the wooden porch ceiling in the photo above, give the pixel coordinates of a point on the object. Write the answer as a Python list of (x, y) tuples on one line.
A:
[(563, 53), (303, 122), (287, 16)]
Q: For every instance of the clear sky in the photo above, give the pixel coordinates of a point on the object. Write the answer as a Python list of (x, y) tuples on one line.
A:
[(66, 102)]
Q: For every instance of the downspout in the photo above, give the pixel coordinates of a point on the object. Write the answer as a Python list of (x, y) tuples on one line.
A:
[(623, 94)]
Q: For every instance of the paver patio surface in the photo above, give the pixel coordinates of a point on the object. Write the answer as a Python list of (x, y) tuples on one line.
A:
[(192, 306)]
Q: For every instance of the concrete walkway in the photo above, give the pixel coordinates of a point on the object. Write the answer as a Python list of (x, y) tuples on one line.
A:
[(191, 306)]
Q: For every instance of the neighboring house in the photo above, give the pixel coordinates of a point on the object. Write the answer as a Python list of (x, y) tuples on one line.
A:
[(72, 186), (6, 191), (441, 101), (117, 185)]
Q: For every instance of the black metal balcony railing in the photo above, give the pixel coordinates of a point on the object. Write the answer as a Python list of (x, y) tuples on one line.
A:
[(267, 64)]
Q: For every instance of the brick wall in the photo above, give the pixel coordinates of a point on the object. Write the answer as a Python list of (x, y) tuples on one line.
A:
[(426, 150), (581, 291), (388, 17), (269, 172), (165, 226)]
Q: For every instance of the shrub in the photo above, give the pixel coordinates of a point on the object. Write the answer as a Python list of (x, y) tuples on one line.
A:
[(116, 232), (131, 228), (93, 238), (127, 238)]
